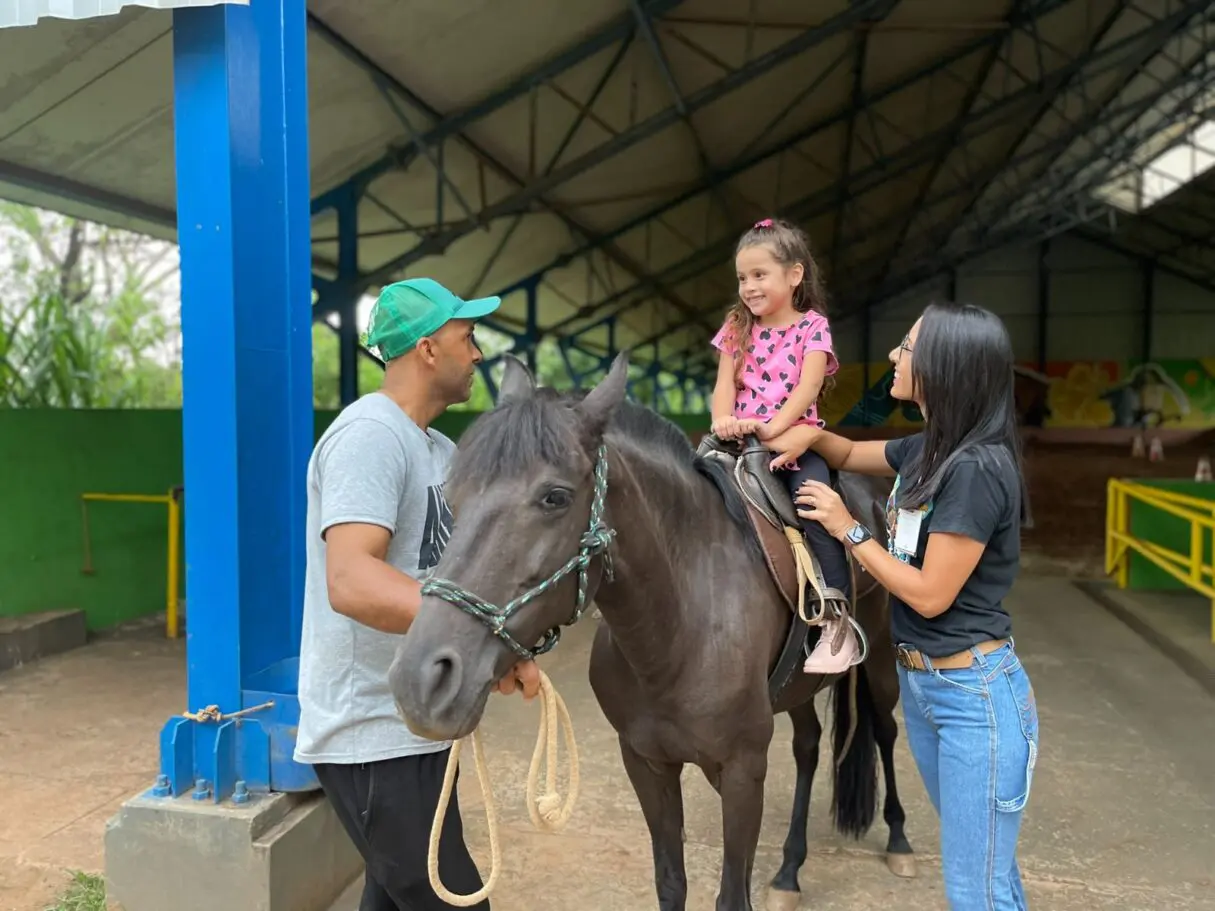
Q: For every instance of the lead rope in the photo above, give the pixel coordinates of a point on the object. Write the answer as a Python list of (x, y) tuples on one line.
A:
[(548, 813)]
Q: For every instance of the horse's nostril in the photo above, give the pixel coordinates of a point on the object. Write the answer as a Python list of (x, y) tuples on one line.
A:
[(443, 668), (441, 680)]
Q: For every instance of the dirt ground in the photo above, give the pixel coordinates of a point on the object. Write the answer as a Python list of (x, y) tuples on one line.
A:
[(78, 735)]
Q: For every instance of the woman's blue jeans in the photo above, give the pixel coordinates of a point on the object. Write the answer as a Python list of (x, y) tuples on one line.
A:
[(974, 735)]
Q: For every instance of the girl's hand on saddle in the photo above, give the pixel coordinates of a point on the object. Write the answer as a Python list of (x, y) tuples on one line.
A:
[(817, 501), (732, 428), (724, 428)]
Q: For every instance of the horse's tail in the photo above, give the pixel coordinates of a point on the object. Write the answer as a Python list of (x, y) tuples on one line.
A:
[(854, 783)]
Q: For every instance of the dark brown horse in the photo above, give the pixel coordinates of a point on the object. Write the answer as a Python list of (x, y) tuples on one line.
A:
[(692, 621)]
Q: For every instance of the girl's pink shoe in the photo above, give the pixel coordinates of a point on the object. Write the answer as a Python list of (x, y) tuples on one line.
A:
[(837, 648)]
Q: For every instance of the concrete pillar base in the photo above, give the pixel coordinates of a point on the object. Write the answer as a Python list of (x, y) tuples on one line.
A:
[(280, 852)]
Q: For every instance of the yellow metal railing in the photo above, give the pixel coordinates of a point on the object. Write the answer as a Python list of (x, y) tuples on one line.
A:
[(172, 580), (1191, 567)]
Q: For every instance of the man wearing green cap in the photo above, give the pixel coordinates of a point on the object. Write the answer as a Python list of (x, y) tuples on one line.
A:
[(377, 522)]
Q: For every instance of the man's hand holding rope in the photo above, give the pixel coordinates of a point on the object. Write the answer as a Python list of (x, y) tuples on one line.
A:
[(524, 676)]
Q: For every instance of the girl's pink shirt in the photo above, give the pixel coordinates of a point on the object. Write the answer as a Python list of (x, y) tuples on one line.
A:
[(772, 364)]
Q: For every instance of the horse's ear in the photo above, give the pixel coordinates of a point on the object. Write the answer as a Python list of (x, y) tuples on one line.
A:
[(600, 403), (517, 380)]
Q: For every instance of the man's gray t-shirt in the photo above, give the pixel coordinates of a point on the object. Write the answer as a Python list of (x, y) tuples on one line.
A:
[(372, 465)]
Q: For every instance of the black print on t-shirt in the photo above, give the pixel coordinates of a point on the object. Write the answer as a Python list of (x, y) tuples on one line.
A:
[(437, 529)]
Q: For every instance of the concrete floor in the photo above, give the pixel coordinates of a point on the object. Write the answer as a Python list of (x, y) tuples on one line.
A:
[(1121, 816), (1181, 624)]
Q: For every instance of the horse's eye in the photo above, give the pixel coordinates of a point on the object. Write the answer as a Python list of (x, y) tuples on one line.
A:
[(557, 498)]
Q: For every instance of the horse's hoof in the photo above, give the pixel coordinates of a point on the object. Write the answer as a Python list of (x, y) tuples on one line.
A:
[(779, 900), (902, 865)]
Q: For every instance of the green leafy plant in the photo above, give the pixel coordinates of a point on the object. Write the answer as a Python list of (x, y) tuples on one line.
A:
[(87, 317)]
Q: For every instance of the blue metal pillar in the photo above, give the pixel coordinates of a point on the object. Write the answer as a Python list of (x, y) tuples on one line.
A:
[(241, 109)]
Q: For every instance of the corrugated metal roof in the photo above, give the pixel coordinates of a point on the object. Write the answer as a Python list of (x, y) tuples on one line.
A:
[(28, 12), (618, 149)]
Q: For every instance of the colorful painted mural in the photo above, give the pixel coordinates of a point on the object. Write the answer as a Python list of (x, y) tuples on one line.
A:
[(1159, 393)]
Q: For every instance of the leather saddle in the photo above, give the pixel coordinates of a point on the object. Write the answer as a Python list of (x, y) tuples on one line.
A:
[(793, 566)]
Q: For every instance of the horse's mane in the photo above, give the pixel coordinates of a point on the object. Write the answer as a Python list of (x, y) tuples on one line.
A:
[(544, 427)]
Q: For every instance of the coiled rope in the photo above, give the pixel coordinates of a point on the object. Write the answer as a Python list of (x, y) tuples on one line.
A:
[(547, 812)]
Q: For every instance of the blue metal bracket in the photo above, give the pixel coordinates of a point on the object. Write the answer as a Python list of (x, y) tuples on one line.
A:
[(215, 755)]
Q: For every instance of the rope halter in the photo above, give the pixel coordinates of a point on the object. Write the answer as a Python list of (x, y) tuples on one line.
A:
[(594, 541)]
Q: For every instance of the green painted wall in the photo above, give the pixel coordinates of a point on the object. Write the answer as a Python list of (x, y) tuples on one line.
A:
[(48, 458), (1166, 530)]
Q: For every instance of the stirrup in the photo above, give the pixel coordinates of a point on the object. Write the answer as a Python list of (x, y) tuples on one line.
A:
[(831, 605), (840, 640)]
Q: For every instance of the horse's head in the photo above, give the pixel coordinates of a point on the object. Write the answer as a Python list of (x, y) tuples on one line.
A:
[(526, 490)]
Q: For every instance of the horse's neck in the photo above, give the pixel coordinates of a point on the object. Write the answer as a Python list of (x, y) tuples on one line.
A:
[(659, 517)]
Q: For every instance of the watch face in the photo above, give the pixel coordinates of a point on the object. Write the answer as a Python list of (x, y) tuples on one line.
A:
[(857, 534)]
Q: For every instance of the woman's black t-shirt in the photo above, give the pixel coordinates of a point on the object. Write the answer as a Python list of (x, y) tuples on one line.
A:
[(979, 497)]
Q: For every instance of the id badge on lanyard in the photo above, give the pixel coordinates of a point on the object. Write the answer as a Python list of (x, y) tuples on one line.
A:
[(907, 531)]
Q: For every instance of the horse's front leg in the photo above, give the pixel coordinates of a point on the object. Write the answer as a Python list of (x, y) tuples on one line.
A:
[(660, 793), (741, 786)]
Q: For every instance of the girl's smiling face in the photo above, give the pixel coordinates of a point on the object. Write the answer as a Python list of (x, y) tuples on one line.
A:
[(765, 286)]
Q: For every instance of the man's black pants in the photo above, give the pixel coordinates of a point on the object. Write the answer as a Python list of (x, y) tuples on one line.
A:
[(387, 808)]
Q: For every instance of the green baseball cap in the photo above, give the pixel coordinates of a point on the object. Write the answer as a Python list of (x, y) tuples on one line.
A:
[(410, 310)]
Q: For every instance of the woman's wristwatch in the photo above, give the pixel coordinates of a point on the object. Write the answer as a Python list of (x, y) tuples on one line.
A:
[(856, 534)]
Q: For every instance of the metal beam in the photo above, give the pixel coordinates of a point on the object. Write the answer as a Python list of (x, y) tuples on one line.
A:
[(1066, 212), (645, 25), (348, 264), (1047, 224), (531, 192), (399, 158), (860, 54), (1044, 295), (751, 160), (92, 197), (921, 151), (1131, 248), (1115, 119), (1122, 140), (608, 72), (385, 79), (1149, 308), (947, 149), (1112, 18), (454, 125)]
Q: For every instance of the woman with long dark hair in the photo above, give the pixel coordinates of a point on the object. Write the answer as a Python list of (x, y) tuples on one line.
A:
[(953, 520)]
